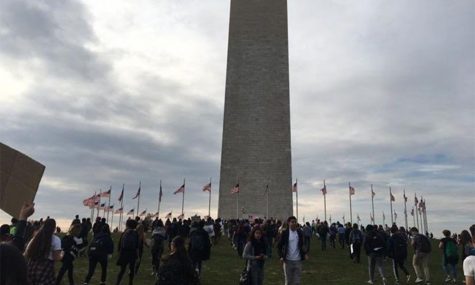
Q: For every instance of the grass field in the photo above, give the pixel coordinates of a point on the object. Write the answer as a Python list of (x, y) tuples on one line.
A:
[(331, 267)]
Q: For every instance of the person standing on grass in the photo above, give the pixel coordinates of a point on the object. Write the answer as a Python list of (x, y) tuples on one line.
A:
[(100, 249), (159, 236), (41, 253), (71, 251), (341, 236), (398, 252), (375, 247), (356, 240), (420, 261), (307, 235), (255, 253), (322, 231), (291, 252), (128, 251), (469, 262)]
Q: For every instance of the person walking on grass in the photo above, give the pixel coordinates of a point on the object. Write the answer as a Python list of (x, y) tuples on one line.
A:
[(71, 251), (398, 252), (356, 240), (199, 247), (41, 253), (291, 252), (469, 262), (255, 253), (375, 247), (449, 256), (128, 251), (100, 249), (420, 261), (177, 268)]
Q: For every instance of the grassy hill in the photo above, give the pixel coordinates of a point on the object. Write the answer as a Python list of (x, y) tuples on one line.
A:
[(331, 267)]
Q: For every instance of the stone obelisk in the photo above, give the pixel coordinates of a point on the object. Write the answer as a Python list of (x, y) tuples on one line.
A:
[(256, 133)]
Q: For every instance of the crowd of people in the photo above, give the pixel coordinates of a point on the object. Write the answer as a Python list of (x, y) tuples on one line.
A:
[(29, 250)]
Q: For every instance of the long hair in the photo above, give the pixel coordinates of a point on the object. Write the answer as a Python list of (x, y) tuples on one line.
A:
[(180, 249), (465, 237), (40, 245), (251, 236)]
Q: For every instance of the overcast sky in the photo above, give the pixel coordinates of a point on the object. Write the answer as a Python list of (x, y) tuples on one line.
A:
[(111, 92)]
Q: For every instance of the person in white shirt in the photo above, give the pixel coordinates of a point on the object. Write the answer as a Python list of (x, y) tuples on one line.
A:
[(41, 253), (469, 262), (292, 252)]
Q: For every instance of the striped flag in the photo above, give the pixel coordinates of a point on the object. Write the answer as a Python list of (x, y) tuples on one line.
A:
[(143, 213), (180, 217), (121, 194), (138, 192), (294, 187), (235, 189), (119, 211), (160, 194), (207, 187), (373, 193), (168, 216), (107, 193), (131, 212), (393, 199), (111, 208), (102, 206), (324, 190), (180, 190), (352, 190)]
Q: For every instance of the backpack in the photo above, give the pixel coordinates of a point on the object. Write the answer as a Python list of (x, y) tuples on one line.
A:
[(378, 244), (157, 242), (98, 245), (356, 236), (451, 249), (424, 244), (130, 241), (197, 243)]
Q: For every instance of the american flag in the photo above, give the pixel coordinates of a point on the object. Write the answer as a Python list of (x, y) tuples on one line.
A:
[(119, 211), (180, 216), (324, 190), (294, 187), (102, 206), (121, 193), (107, 193), (138, 192), (352, 190), (143, 213), (180, 190), (207, 187), (372, 193), (131, 212), (160, 194), (412, 212), (111, 208), (235, 189), (393, 199), (168, 216)]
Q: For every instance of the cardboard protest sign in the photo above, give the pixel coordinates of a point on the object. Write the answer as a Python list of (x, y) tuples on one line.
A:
[(20, 177)]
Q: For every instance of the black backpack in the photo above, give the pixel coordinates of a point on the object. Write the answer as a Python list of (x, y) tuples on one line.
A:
[(197, 243), (378, 244), (130, 241), (400, 246), (424, 244)]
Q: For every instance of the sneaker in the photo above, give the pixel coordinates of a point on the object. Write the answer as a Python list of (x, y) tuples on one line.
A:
[(428, 283), (408, 278), (370, 282), (384, 281), (448, 279), (419, 280)]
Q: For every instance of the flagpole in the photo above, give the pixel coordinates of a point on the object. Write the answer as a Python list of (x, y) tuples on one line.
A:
[(159, 199), (421, 216), (99, 205), (138, 198), (209, 203), (183, 199), (416, 213), (405, 208), (325, 199), (110, 194), (237, 206), (351, 211), (391, 204), (414, 216), (372, 202), (112, 220), (122, 207), (425, 217), (384, 219)]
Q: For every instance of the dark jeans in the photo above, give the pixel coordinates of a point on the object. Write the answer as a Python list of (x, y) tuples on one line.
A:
[(399, 263), (356, 252), (131, 264), (332, 241), (306, 241), (93, 260), (67, 266), (341, 240)]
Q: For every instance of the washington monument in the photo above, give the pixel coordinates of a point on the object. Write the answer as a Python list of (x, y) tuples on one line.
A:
[(256, 151)]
